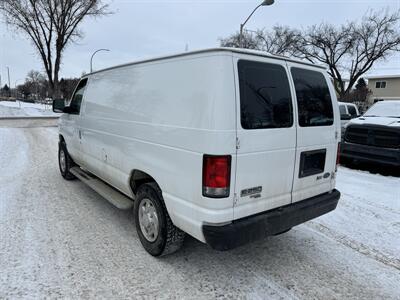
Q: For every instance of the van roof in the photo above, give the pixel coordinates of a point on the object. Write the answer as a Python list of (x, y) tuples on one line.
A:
[(218, 49)]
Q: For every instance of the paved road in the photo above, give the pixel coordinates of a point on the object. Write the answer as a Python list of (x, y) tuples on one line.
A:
[(59, 239), (28, 122)]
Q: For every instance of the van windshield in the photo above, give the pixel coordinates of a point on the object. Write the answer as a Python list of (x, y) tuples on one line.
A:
[(265, 100), (313, 98)]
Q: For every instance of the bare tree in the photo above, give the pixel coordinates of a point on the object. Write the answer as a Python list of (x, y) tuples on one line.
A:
[(248, 41), (280, 40), (67, 86), (328, 45), (35, 83), (35, 77), (351, 49), (51, 25)]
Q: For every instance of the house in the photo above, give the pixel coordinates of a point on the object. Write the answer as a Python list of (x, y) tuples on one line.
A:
[(384, 87)]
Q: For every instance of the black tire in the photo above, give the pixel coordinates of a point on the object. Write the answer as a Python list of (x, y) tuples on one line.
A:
[(69, 163), (169, 238)]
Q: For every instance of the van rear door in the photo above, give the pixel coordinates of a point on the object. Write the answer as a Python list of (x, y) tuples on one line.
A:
[(317, 132), (266, 135)]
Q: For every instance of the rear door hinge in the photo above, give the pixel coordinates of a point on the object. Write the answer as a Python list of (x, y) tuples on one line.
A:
[(235, 199), (237, 143)]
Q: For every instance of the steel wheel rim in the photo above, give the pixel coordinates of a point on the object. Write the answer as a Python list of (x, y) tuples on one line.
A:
[(148, 220), (63, 163)]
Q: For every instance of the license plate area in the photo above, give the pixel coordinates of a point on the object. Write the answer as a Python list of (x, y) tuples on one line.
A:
[(312, 162)]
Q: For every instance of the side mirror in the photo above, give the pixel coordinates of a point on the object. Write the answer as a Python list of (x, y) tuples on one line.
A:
[(345, 117), (58, 105)]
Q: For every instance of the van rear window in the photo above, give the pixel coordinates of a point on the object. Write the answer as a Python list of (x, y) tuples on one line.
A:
[(265, 100), (313, 98)]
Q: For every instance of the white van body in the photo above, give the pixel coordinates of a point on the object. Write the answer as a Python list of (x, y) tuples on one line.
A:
[(159, 118)]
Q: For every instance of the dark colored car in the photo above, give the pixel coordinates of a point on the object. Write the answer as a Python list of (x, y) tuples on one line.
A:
[(375, 136)]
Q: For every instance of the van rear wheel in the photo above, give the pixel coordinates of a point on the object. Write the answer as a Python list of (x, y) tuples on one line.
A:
[(65, 162), (154, 226)]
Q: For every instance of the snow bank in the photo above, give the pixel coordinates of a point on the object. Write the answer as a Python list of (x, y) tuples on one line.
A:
[(23, 109)]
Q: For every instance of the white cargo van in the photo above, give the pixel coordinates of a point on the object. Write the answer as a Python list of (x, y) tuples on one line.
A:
[(227, 145)]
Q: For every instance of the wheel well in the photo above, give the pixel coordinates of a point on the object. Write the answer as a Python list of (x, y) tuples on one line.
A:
[(138, 178)]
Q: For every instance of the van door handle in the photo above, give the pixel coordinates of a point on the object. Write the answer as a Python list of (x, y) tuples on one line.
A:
[(80, 134)]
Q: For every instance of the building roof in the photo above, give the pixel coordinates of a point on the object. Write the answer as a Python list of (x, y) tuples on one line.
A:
[(382, 76), (219, 49)]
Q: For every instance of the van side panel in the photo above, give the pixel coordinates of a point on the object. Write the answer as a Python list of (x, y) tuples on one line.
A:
[(160, 118)]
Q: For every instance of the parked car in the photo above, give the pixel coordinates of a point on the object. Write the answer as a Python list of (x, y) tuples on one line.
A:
[(375, 137), (348, 111), (227, 145)]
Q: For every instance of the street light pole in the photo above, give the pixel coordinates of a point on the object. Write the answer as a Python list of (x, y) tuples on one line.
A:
[(16, 91), (8, 73), (15, 84), (264, 3), (91, 58)]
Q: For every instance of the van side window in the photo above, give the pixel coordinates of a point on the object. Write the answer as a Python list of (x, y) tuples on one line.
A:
[(265, 100), (313, 98), (76, 99)]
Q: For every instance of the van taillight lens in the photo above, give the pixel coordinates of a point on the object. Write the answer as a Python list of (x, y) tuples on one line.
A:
[(338, 156), (216, 175)]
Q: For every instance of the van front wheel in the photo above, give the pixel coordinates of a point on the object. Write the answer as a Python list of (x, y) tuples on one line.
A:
[(154, 226), (65, 162)]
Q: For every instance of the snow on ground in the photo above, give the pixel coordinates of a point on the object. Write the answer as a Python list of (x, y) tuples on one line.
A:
[(59, 239), (23, 109), (368, 215)]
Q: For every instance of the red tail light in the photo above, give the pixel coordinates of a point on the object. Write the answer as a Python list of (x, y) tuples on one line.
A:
[(216, 176), (338, 156)]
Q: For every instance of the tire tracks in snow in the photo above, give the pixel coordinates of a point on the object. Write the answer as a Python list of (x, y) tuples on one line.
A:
[(357, 246), (370, 203)]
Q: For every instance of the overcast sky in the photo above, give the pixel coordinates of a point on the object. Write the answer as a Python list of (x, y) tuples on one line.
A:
[(142, 29)]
